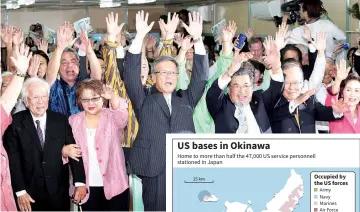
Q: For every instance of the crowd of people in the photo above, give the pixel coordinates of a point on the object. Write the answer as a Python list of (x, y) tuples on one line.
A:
[(78, 119)]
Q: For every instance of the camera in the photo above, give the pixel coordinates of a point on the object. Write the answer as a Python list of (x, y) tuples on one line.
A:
[(35, 27), (293, 8)]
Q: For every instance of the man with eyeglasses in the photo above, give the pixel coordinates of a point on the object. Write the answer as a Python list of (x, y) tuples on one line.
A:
[(34, 143), (66, 63), (303, 106), (161, 109)]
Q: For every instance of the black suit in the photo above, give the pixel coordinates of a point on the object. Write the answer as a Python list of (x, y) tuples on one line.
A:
[(222, 110), (308, 113), (41, 171), (148, 154)]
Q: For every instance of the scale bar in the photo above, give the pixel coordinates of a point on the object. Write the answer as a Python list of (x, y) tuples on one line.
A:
[(198, 182)]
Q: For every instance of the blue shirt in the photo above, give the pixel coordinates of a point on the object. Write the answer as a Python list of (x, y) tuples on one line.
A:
[(57, 98)]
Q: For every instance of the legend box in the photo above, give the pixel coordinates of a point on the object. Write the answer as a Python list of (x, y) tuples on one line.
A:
[(333, 191)]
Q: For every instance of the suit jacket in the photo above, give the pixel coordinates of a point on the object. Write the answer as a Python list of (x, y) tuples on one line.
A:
[(309, 112), (345, 125), (108, 149), (148, 154), (222, 110), (31, 166)]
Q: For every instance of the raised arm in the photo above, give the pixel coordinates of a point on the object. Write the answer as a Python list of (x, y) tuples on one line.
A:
[(341, 74), (132, 65), (11, 94), (317, 75), (110, 53), (64, 37), (95, 66), (183, 80), (200, 62)]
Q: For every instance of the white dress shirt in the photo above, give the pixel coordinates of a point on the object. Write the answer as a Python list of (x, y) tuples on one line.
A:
[(95, 177), (253, 127), (168, 101)]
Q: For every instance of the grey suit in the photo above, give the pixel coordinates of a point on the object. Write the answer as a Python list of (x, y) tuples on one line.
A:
[(148, 154)]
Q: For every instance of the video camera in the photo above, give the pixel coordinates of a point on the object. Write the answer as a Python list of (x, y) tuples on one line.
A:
[(293, 8), (35, 27)]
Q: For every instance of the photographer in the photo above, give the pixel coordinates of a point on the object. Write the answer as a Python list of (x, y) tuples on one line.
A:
[(311, 11)]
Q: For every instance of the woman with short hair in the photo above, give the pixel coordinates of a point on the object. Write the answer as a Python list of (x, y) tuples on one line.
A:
[(98, 133)]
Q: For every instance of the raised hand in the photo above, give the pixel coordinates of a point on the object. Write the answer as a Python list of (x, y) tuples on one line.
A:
[(108, 92), (320, 43), (305, 96), (178, 38), (112, 26), (342, 71), (64, 35), (7, 35), (195, 25), (232, 27), (281, 35), (44, 45), (186, 43), (22, 58), (272, 52), (238, 60), (18, 37), (142, 26), (170, 27), (249, 33), (34, 66), (227, 35), (340, 106)]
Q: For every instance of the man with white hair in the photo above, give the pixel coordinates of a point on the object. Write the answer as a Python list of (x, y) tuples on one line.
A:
[(34, 143)]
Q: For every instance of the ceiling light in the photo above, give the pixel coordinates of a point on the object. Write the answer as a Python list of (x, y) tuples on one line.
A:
[(12, 5), (26, 2), (109, 4), (140, 1)]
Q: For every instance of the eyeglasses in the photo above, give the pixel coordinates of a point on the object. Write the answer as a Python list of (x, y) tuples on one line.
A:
[(93, 100), (66, 63), (38, 98), (296, 84), (243, 87), (166, 73)]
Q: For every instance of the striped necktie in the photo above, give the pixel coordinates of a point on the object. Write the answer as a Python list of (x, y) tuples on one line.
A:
[(40, 134)]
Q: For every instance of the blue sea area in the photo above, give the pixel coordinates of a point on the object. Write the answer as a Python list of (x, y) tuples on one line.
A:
[(241, 185)]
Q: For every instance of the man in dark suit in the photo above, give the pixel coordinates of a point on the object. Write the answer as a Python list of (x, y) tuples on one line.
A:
[(161, 109), (303, 106), (34, 143), (241, 110)]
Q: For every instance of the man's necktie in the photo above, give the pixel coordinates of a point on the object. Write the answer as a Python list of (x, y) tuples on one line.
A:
[(168, 101), (243, 125), (39, 132), (297, 116)]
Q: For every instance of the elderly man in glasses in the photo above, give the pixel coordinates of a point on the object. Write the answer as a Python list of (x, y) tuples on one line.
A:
[(303, 106), (161, 109), (34, 143)]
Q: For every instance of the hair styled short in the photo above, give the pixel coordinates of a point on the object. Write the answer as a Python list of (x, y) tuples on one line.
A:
[(246, 69), (91, 84)]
